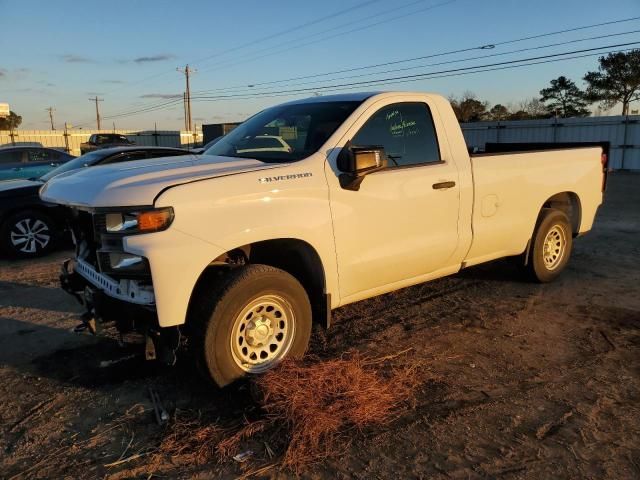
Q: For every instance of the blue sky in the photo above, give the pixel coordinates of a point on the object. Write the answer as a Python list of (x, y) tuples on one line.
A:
[(59, 53)]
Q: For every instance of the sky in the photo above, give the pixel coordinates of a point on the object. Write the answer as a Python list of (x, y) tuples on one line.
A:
[(60, 53)]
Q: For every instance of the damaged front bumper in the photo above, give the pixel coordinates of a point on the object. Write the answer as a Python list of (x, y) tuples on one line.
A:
[(127, 290), (129, 303)]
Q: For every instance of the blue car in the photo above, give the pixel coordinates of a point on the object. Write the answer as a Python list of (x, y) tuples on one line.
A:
[(29, 162)]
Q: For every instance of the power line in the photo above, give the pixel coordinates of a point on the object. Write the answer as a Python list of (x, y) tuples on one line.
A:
[(420, 75), (408, 78), (462, 60), (433, 55), (170, 103), (260, 40), (480, 47), (289, 30), (438, 54), (253, 94), (457, 74), (446, 2), (231, 63)]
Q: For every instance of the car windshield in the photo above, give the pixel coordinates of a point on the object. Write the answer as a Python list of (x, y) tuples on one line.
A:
[(80, 162), (284, 133)]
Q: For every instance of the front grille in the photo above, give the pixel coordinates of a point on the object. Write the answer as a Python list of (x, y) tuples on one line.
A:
[(81, 223), (104, 262), (99, 223)]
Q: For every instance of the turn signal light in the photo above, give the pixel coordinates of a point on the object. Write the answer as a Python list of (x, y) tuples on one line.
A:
[(154, 220)]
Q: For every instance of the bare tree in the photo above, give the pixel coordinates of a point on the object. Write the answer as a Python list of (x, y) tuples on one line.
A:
[(535, 108), (468, 108)]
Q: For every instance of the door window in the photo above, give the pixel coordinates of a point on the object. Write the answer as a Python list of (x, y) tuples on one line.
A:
[(39, 156), (14, 156), (406, 132)]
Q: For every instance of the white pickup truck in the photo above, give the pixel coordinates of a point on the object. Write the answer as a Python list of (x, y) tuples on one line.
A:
[(242, 248)]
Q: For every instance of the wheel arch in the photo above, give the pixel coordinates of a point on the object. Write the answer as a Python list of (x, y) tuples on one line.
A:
[(566, 202), (296, 257), (569, 204)]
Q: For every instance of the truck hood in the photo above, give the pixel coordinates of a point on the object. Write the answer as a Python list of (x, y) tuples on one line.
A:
[(138, 183)]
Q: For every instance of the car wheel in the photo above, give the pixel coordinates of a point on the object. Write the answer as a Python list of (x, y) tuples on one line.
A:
[(247, 321), (27, 234), (551, 247)]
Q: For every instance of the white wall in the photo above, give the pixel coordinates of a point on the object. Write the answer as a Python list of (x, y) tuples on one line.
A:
[(56, 138), (622, 132)]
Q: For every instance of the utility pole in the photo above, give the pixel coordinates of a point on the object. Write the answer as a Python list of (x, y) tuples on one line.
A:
[(51, 110), (66, 138), (187, 72), (186, 116), (96, 99)]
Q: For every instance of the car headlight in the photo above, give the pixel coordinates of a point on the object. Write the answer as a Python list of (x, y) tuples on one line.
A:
[(143, 221)]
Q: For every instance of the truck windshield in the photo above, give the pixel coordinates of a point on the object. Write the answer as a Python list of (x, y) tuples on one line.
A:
[(284, 133)]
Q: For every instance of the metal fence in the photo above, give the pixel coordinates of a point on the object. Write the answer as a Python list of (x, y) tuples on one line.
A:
[(70, 140), (622, 132)]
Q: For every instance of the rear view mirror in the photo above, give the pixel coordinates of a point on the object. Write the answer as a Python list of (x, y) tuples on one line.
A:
[(356, 162)]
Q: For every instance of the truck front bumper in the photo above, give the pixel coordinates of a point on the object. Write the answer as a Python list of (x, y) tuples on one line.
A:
[(125, 302), (127, 290)]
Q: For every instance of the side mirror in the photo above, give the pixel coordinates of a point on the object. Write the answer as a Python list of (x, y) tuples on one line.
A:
[(356, 162)]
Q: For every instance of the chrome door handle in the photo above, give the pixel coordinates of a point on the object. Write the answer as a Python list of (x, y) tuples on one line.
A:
[(443, 185)]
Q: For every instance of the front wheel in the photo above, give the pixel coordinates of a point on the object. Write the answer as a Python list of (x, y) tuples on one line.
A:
[(27, 234), (551, 247), (247, 321)]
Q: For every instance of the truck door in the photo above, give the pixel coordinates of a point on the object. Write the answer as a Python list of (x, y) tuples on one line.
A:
[(403, 221)]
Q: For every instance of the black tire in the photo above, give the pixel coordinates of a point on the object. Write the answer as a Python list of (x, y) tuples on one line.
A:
[(16, 241), (219, 306), (550, 246)]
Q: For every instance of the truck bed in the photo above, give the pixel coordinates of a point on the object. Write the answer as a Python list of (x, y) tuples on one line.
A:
[(512, 185)]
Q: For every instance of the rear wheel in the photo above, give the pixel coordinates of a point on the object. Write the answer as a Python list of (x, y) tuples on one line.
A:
[(27, 234), (551, 247), (247, 321)]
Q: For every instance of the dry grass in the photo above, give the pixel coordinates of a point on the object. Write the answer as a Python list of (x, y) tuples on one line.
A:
[(315, 405), (320, 401)]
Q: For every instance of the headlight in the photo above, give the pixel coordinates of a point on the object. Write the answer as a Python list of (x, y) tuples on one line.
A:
[(144, 221)]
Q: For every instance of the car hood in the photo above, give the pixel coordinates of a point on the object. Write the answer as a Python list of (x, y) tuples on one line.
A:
[(18, 188), (138, 183)]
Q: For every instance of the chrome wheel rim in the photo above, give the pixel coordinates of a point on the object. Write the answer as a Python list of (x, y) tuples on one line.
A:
[(30, 235), (262, 333), (553, 247)]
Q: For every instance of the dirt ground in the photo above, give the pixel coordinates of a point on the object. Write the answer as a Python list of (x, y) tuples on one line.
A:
[(519, 380)]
